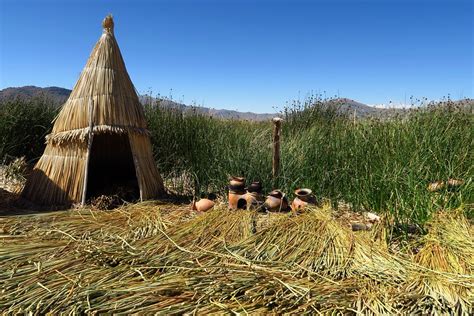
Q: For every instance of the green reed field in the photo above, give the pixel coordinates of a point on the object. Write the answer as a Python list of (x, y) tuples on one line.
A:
[(382, 165)]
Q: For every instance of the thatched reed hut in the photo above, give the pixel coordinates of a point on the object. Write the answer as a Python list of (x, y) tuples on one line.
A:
[(100, 139)]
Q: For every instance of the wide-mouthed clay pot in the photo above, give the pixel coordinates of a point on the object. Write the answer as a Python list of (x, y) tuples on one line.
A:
[(237, 183), (303, 198), (276, 202), (202, 205)]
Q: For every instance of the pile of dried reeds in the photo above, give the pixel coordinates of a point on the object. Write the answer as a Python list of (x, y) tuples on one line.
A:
[(167, 259)]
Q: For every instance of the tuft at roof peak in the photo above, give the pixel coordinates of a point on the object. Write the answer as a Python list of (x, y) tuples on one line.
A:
[(108, 23)]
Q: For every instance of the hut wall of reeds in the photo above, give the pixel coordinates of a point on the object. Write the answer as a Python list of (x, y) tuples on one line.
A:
[(100, 134)]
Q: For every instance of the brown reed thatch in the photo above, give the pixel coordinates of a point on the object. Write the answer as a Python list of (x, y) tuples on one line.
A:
[(99, 135)]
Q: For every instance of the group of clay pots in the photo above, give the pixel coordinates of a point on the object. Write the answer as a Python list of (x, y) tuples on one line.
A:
[(251, 197), (241, 197)]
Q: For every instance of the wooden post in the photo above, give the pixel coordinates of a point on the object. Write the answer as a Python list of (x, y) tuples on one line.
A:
[(276, 147), (137, 170), (88, 154)]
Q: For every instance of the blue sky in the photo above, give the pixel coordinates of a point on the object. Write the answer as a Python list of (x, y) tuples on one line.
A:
[(250, 55)]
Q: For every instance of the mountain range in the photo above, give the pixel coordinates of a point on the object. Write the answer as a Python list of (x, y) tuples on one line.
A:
[(59, 95), (344, 105)]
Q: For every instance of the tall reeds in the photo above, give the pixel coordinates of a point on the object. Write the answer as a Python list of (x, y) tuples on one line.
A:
[(379, 164), (383, 165)]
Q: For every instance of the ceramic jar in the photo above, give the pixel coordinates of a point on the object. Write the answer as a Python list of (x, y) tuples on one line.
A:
[(303, 198), (276, 202), (202, 205), (254, 196), (237, 198)]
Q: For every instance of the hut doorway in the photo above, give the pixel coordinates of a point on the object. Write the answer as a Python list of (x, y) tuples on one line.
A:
[(111, 168)]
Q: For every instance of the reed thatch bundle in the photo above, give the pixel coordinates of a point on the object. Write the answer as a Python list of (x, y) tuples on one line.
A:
[(160, 259), (100, 134), (444, 279)]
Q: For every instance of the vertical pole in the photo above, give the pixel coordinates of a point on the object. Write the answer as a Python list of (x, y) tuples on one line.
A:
[(137, 170), (276, 147), (88, 154)]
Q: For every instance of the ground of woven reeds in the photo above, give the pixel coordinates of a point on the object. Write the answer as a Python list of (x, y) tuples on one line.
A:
[(163, 258)]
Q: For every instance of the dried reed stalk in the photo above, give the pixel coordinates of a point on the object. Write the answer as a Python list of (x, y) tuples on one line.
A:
[(147, 259)]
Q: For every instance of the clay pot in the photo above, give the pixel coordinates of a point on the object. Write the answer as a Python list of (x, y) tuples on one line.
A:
[(237, 198), (255, 187), (298, 205), (303, 198), (276, 202), (234, 199), (254, 200), (305, 195), (237, 184), (202, 205)]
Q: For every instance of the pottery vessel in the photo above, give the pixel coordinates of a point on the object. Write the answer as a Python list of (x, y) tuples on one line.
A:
[(254, 196), (276, 202), (202, 205), (237, 199), (254, 200), (237, 183), (303, 198), (298, 205), (255, 187)]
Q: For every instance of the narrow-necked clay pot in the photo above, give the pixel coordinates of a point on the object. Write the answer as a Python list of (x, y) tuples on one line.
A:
[(202, 205), (276, 202), (303, 198)]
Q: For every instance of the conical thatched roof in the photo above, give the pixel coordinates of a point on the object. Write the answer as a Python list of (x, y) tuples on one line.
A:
[(106, 81), (105, 97)]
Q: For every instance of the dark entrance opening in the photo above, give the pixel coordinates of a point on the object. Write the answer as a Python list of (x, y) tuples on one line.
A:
[(111, 168)]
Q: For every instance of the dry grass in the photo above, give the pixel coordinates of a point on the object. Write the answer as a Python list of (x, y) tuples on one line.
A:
[(156, 257)]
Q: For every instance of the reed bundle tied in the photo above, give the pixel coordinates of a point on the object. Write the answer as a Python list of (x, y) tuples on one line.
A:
[(152, 257)]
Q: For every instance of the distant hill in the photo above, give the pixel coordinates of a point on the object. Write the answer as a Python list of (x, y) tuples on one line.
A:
[(59, 96), (224, 114), (56, 94), (361, 110), (343, 105)]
